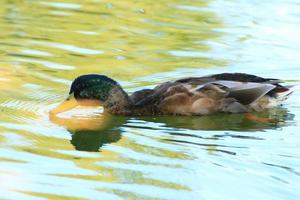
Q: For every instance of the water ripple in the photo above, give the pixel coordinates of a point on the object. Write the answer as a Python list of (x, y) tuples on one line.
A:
[(69, 47)]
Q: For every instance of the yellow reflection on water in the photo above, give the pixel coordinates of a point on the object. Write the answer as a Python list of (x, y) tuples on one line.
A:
[(81, 123), (132, 37)]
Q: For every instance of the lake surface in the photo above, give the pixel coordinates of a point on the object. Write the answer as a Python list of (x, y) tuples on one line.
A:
[(84, 154)]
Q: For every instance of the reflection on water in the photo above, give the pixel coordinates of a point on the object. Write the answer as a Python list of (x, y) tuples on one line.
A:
[(44, 45), (234, 122), (94, 140), (91, 133)]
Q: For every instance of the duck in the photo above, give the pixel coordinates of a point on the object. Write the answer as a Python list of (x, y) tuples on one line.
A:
[(203, 95)]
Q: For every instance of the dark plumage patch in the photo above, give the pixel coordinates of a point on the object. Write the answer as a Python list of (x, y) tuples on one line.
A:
[(92, 86), (140, 95), (85, 79), (242, 77), (251, 78)]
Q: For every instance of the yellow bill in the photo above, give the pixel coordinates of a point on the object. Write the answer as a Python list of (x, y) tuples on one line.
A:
[(65, 106), (71, 103)]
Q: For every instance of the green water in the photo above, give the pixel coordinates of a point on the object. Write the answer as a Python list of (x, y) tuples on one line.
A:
[(83, 154)]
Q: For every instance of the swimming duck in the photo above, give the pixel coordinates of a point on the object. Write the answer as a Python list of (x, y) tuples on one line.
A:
[(226, 92)]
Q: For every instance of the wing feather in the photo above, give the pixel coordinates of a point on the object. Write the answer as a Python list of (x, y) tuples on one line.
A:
[(246, 92)]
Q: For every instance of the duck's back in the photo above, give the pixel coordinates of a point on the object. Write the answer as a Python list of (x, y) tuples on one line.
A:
[(227, 92)]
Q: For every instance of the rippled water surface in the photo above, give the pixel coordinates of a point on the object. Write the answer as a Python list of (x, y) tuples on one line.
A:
[(84, 154)]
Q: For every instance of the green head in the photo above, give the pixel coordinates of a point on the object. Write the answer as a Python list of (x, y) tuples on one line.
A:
[(93, 90), (92, 87)]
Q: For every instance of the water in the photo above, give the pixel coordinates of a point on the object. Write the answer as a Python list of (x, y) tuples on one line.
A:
[(84, 154)]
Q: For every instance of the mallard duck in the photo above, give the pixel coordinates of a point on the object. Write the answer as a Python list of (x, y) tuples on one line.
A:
[(226, 92)]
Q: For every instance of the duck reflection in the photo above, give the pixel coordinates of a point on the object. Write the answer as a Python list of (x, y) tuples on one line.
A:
[(87, 140), (226, 125), (91, 133), (230, 122)]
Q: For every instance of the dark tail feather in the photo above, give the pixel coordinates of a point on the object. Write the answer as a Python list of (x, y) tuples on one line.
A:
[(285, 94)]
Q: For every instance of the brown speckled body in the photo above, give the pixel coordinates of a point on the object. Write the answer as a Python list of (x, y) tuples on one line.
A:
[(228, 92)]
